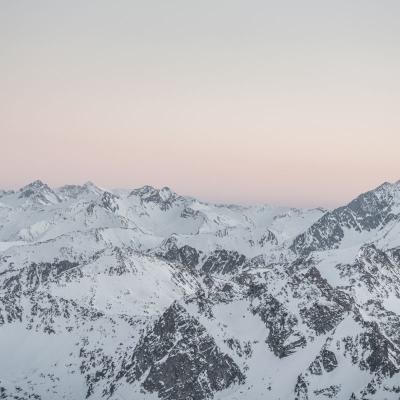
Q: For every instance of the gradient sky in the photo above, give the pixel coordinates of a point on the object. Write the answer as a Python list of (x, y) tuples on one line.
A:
[(283, 102)]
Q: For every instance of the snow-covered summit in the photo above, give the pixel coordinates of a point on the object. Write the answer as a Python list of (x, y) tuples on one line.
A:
[(163, 198), (75, 191), (366, 218), (39, 192)]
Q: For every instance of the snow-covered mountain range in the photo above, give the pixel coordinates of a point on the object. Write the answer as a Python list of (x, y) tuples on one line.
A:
[(146, 294)]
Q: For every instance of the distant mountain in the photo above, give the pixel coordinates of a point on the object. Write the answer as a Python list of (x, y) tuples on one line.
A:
[(39, 193), (146, 294)]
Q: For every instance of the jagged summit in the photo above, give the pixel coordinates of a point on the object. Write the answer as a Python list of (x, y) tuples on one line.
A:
[(148, 190), (143, 191), (37, 184), (163, 197), (368, 213), (39, 192), (89, 185), (388, 187)]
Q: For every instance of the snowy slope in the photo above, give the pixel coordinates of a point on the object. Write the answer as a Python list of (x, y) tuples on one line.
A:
[(147, 294)]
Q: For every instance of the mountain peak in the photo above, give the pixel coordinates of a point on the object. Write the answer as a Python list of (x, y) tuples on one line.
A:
[(368, 212), (74, 191), (389, 191), (91, 187), (39, 192), (37, 184), (385, 185), (89, 184), (144, 190), (163, 197)]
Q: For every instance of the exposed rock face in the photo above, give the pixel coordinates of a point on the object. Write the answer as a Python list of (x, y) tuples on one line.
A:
[(223, 262), (179, 360), (301, 389), (109, 201), (164, 198), (268, 237), (325, 361), (185, 255), (378, 355), (368, 212), (284, 338)]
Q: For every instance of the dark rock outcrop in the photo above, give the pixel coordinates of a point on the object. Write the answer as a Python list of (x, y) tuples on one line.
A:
[(178, 360)]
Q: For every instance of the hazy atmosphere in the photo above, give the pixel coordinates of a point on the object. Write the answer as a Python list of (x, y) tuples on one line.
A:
[(131, 133), (286, 102)]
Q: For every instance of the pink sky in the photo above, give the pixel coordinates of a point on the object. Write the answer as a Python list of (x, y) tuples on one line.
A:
[(226, 107)]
